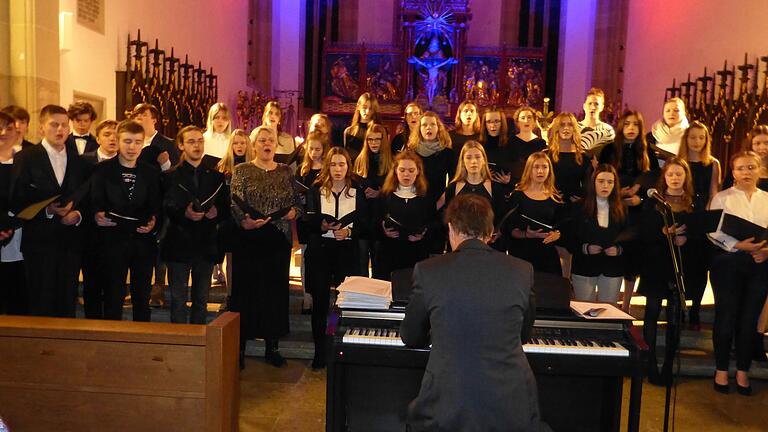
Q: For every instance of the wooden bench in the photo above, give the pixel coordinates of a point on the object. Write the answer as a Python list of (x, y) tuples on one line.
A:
[(91, 375)]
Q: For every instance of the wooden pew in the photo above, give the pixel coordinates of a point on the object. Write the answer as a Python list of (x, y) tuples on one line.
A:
[(90, 375)]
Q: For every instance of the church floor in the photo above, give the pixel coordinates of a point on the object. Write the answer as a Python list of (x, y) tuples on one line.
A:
[(293, 399)]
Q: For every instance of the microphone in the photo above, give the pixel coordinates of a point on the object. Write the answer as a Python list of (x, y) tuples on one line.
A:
[(653, 193)]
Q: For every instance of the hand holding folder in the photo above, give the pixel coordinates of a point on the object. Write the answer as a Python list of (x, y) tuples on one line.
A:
[(198, 205), (255, 214), (403, 228), (742, 229)]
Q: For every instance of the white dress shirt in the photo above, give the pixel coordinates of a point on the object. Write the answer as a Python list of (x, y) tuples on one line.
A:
[(80, 142), (216, 143), (734, 201), (338, 206), (58, 160), (101, 156)]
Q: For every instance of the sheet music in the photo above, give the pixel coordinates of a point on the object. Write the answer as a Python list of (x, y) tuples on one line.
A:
[(601, 311)]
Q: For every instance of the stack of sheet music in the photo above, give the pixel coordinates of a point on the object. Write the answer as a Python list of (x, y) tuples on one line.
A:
[(357, 292)]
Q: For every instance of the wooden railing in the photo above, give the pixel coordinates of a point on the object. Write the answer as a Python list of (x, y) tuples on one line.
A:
[(90, 375)]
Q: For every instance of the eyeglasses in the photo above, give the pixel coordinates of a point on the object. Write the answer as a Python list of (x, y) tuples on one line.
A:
[(494, 121), (374, 139)]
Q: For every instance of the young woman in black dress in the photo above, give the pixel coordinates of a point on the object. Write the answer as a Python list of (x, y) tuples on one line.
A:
[(467, 125), (366, 112), (332, 248), (404, 200), (539, 210), (594, 240), (524, 142), (371, 167), (411, 116), (696, 148), (306, 174), (474, 177), (657, 272), (494, 136), (637, 166), (571, 164), (432, 143)]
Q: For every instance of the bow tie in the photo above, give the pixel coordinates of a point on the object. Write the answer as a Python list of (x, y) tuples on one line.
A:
[(82, 136)]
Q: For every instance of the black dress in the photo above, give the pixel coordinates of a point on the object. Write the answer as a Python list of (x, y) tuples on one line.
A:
[(502, 159), (457, 142), (400, 253), (261, 260), (436, 169), (306, 180), (496, 198), (542, 256), (570, 177), (354, 143), (697, 265), (702, 180)]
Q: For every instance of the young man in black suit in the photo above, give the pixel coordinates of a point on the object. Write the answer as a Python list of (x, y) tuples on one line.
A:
[(196, 199), (159, 150), (52, 242), (13, 291), (474, 306), (93, 273), (22, 124), (126, 202), (82, 115)]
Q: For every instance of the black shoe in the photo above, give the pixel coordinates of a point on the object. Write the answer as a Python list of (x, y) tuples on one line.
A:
[(744, 391), (274, 358), (318, 363), (722, 388)]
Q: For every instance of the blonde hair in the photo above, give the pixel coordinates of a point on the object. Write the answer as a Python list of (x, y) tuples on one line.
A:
[(549, 183), (219, 107), (706, 153), (385, 153), (267, 108), (442, 133), (554, 138), (461, 169), (306, 162), (227, 163), (391, 182), (258, 129), (457, 121)]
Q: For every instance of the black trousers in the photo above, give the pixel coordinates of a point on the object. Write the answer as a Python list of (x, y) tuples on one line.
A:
[(739, 285), (136, 254), (52, 282), (332, 261), (653, 305), (13, 288), (94, 284)]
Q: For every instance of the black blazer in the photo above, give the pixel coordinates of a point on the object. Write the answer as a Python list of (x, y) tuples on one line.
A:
[(472, 382), (109, 194), (586, 231), (160, 143), (186, 240), (33, 180), (90, 143), (312, 220)]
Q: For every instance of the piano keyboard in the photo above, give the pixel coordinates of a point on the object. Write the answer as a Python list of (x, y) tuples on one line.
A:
[(537, 345)]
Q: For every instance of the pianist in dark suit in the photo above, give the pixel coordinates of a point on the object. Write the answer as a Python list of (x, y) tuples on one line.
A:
[(473, 305)]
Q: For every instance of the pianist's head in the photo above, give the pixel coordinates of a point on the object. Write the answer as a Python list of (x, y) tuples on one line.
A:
[(469, 216)]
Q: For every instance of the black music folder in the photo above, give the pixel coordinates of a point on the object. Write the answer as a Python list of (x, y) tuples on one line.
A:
[(703, 222), (8, 222), (344, 221), (606, 240), (498, 168), (742, 229), (255, 214), (403, 227), (553, 293), (127, 222), (300, 187), (198, 205), (402, 285)]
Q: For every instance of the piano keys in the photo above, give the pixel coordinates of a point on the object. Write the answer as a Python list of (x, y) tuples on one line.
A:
[(579, 366)]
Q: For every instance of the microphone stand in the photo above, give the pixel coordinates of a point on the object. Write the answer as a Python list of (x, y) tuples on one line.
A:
[(677, 303)]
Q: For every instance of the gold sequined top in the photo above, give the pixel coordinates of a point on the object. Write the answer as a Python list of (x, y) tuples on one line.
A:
[(265, 191)]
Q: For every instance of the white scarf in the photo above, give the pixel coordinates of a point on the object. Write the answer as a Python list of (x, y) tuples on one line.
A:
[(668, 138)]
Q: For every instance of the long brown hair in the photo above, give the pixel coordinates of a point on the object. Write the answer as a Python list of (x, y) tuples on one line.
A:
[(760, 129), (306, 162), (640, 147), (554, 138), (461, 169), (391, 183), (442, 132), (616, 207), (324, 180), (706, 153), (385, 153), (688, 192), (503, 134), (549, 183), (457, 120), (375, 117)]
